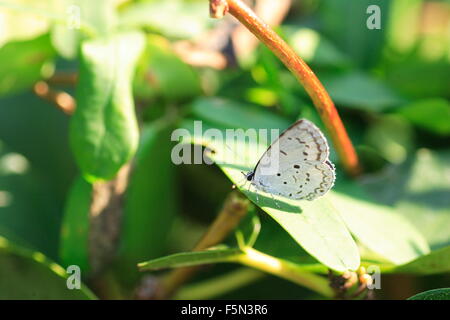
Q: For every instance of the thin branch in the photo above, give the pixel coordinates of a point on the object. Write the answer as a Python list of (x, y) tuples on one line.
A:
[(307, 79), (62, 100), (285, 269), (234, 209)]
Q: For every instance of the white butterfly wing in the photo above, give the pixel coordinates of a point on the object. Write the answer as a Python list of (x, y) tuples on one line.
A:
[(300, 155), (307, 182)]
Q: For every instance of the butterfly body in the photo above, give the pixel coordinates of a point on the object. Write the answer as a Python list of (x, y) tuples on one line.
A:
[(295, 165)]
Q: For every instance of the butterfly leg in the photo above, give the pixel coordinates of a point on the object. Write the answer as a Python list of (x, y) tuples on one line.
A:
[(276, 202), (256, 190)]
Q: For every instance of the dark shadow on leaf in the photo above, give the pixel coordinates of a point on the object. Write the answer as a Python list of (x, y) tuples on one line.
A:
[(266, 201)]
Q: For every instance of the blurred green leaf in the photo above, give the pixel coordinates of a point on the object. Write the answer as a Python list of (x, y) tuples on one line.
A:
[(344, 23), (30, 275), (419, 79), (232, 114), (404, 14), (20, 24), (392, 137), (74, 247), (150, 202), (189, 259), (430, 114), (360, 91), (436, 294), (99, 16), (171, 18), (104, 132), (162, 72), (24, 63), (312, 47)]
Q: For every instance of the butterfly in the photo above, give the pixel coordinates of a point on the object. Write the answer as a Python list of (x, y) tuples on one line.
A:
[(296, 164)]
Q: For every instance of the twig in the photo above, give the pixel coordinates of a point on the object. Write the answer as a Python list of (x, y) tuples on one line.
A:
[(272, 12), (63, 78), (306, 77), (234, 209), (62, 100), (285, 269)]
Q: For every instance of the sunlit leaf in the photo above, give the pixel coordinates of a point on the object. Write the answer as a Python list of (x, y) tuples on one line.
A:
[(82, 18), (173, 18), (378, 227), (189, 259), (418, 190), (104, 132)]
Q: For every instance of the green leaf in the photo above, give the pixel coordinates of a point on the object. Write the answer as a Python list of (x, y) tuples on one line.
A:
[(316, 226), (74, 248), (378, 227), (272, 240), (104, 131), (314, 48), (19, 24), (405, 13), (418, 190), (189, 259), (24, 63), (149, 203), (172, 18), (248, 257), (437, 261), (392, 137), (96, 18), (226, 113), (30, 275), (429, 114), (360, 91), (319, 229), (436, 294), (430, 78), (163, 73), (345, 23)]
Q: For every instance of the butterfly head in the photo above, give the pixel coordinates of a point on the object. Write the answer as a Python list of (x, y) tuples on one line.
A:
[(249, 175)]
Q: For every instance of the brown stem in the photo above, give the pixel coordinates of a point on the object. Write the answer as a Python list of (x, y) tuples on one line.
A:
[(62, 100), (234, 209), (64, 79), (307, 79)]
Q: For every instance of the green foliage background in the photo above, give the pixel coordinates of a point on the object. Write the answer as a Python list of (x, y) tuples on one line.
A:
[(391, 87)]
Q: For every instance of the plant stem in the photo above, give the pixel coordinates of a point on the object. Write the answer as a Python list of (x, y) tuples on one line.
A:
[(307, 79), (234, 209), (62, 100), (285, 269)]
